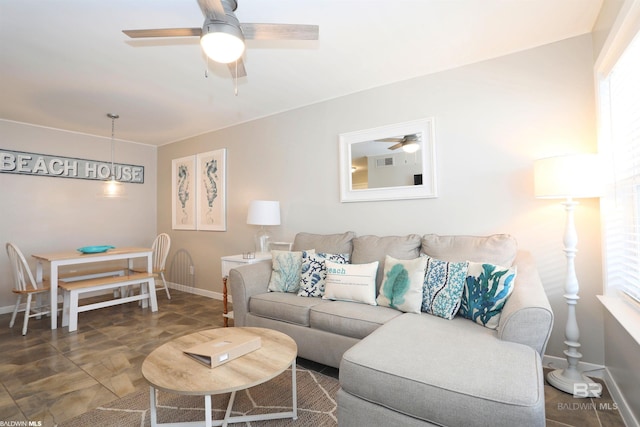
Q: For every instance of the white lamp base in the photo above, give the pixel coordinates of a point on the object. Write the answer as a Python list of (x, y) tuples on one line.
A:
[(574, 382), (262, 240)]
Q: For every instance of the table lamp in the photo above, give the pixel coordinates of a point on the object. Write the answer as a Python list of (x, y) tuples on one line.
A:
[(568, 177), (262, 213)]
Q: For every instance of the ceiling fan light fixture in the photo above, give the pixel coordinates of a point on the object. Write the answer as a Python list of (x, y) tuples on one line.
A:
[(411, 147), (222, 42)]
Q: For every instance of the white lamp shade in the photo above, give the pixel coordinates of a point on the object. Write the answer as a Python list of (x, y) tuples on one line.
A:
[(264, 212), (569, 176)]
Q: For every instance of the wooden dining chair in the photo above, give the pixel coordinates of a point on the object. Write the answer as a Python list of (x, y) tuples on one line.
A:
[(25, 284), (160, 248)]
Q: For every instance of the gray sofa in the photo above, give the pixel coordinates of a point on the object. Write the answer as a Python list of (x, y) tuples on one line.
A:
[(414, 369)]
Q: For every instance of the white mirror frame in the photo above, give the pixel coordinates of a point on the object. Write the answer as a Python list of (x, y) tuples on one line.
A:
[(427, 189)]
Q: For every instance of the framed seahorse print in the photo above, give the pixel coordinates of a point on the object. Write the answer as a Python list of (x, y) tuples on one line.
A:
[(183, 196), (212, 190)]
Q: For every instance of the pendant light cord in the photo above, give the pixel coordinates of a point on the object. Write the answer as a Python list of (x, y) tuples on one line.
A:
[(113, 118)]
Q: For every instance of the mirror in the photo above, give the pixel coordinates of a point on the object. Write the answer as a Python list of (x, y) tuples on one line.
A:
[(388, 163)]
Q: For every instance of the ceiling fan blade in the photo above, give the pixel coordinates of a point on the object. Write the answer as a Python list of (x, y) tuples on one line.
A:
[(212, 9), (164, 32), (390, 140), (240, 69), (280, 31), (395, 147)]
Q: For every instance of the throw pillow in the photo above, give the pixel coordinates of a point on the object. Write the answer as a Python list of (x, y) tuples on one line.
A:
[(286, 270), (351, 282), (487, 288), (402, 284), (314, 272), (443, 286)]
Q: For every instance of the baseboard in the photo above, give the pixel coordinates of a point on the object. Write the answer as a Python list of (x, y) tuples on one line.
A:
[(629, 419), (196, 291), (171, 285), (601, 372)]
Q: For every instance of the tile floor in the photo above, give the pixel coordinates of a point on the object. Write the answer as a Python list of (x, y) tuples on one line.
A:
[(52, 376)]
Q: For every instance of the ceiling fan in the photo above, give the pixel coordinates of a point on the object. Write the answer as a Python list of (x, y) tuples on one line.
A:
[(408, 143), (222, 36)]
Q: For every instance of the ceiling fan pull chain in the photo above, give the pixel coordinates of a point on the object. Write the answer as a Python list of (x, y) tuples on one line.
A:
[(235, 80)]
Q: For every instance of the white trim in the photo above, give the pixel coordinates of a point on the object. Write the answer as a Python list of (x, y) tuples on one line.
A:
[(629, 419), (196, 291), (626, 312), (624, 29)]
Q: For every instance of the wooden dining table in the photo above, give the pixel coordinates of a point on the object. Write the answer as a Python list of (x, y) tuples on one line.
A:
[(55, 260)]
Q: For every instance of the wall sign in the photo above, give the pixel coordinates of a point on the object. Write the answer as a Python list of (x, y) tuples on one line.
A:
[(20, 162)]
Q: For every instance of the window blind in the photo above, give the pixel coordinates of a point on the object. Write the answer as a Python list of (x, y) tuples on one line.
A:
[(620, 146)]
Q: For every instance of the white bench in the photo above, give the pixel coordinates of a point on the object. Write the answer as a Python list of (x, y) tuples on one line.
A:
[(74, 288)]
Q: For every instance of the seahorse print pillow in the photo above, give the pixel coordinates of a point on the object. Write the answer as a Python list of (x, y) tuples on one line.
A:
[(402, 284), (486, 290)]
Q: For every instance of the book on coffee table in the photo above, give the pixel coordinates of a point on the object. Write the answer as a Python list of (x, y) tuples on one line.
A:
[(222, 350)]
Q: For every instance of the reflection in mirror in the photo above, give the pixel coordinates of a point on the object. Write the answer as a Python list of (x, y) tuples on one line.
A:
[(390, 162)]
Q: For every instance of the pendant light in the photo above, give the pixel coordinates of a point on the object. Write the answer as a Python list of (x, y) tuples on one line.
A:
[(112, 188)]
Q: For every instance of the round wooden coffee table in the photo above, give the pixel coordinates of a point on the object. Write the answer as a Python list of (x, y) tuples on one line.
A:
[(167, 368)]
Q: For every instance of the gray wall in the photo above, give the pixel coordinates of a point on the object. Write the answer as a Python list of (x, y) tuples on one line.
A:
[(492, 119), (45, 214)]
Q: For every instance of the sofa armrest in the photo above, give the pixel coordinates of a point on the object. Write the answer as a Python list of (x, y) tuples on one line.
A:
[(527, 317), (245, 281)]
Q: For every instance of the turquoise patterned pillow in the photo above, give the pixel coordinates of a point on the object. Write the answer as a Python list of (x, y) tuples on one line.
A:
[(402, 284), (487, 288), (443, 286), (286, 271), (314, 272)]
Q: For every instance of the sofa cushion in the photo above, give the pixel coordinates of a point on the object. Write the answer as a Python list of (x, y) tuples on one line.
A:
[(351, 282), (350, 319), (443, 285), (314, 272), (451, 373), (500, 249), (328, 243), (374, 248), (486, 290), (402, 284), (283, 306)]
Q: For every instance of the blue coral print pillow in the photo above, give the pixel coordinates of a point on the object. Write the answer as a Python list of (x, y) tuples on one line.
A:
[(286, 271), (402, 284), (486, 290), (443, 286), (314, 272)]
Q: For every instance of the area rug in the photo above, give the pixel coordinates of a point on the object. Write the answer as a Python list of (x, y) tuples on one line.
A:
[(316, 405)]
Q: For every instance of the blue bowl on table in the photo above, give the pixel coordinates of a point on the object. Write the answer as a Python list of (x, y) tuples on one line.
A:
[(95, 249)]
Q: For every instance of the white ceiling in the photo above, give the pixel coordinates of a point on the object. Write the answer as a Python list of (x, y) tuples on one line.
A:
[(65, 63)]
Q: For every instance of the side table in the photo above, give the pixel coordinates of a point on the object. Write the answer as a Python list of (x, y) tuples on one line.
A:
[(233, 261)]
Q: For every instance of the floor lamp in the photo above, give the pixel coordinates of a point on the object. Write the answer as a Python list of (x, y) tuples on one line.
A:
[(570, 177)]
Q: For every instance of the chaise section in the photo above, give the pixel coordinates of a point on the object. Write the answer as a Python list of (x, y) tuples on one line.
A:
[(496, 383)]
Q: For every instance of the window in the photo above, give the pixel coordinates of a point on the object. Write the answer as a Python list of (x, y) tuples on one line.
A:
[(620, 146)]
